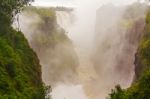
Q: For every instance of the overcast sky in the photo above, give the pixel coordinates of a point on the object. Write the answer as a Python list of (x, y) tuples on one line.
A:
[(74, 2), (54, 2)]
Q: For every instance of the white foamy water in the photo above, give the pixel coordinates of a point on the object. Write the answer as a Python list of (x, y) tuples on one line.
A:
[(68, 92)]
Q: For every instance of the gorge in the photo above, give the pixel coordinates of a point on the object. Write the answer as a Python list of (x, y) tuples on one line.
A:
[(95, 49)]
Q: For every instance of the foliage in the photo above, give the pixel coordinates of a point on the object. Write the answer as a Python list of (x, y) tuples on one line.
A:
[(52, 45), (9, 8), (117, 93), (141, 88), (20, 71)]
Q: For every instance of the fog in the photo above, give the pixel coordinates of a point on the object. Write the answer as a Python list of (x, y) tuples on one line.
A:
[(104, 45)]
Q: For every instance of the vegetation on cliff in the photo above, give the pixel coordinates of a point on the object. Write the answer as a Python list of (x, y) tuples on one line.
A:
[(52, 45), (20, 71), (140, 89)]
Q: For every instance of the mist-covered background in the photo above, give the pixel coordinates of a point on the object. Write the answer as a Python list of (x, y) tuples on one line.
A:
[(85, 52)]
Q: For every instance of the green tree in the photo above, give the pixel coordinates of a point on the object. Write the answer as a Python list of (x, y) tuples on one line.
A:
[(9, 8)]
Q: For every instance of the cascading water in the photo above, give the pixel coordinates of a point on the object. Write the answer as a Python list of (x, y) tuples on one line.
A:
[(65, 19), (104, 42), (107, 59)]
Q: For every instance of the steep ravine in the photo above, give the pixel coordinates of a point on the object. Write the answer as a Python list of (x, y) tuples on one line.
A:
[(119, 52), (111, 61), (140, 88), (52, 45)]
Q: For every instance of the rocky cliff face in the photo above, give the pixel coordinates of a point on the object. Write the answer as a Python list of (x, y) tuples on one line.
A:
[(118, 33), (140, 88), (51, 43), (141, 56)]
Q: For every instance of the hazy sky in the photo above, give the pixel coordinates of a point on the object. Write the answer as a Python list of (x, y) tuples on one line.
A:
[(54, 2), (75, 2)]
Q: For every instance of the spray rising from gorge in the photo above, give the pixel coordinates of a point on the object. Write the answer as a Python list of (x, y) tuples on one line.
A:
[(101, 55), (102, 52)]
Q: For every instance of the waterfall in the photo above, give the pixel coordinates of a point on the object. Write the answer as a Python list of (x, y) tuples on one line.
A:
[(105, 40), (106, 55), (65, 19)]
